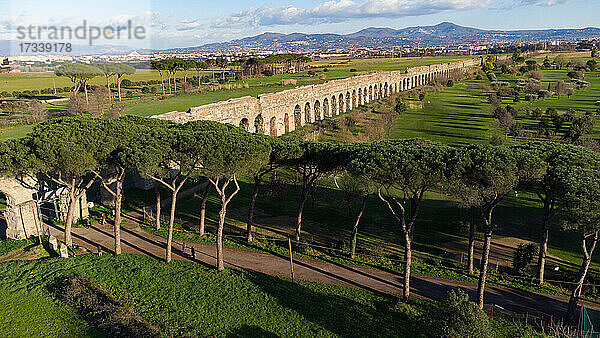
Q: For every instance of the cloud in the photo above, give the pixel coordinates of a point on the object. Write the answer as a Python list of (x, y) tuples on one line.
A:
[(188, 25), (336, 11)]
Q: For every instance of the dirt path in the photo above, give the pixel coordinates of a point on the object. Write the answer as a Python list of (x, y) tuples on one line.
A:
[(137, 241)]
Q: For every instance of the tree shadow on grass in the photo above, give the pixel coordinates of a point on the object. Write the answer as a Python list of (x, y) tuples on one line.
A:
[(370, 315), (251, 331)]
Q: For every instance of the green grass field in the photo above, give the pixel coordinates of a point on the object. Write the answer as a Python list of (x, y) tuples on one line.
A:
[(190, 300), (461, 114)]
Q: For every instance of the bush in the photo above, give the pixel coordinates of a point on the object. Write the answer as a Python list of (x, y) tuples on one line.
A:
[(497, 140), (573, 74), (352, 70), (100, 309), (536, 75), (400, 107), (491, 76), (450, 83), (523, 256), (456, 316)]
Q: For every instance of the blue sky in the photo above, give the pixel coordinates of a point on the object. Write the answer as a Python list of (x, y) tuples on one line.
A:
[(195, 22)]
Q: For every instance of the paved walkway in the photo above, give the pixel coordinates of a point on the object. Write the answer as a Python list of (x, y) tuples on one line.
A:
[(137, 241)]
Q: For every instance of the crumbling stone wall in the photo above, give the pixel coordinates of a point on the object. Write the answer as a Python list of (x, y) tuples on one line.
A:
[(21, 213), (278, 113)]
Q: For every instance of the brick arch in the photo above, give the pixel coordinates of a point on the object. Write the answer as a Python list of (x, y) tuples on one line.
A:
[(244, 123), (317, 110), (259, 124), (307, 117), (334, 106), (297, 117), (326, 108)]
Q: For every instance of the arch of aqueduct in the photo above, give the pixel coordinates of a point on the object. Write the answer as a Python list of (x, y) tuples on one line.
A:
[(282, 112)]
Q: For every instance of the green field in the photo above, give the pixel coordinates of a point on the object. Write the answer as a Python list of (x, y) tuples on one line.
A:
[(190, 300), (36, 81), (461, 114)]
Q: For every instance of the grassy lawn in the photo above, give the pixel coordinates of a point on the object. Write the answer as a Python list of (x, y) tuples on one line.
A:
[(36, 81), (33, 314), (461, 115), (457, 115), (189, 299), (8, 245)]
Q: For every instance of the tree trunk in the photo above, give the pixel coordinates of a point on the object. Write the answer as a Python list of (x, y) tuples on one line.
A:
[(158, 205), (484, 264), (171, 225), (251, 211), (203, 209), (119, 89), (222, 213), (543, 250), (576, 294), (169, 83), (70, 213), (471, 252), (118, 202), (355, 228), (162, 83), (407, 265), (87, 101), (303, 197), (108, 87)]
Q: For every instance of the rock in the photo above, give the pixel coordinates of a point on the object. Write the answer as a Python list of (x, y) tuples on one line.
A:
[(64, 251), (53, 243)]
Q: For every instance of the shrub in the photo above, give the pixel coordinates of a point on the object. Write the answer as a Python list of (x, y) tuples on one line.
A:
[(450, 83), (400, 107), (544, 94), (491, 76), (523, 256), (531, 97), (352, 70), (456, 316), (497, 140), (573, 74), (100, 309), (536, 75)]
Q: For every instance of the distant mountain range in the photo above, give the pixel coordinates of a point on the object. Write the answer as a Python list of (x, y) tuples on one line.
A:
[(445, 34)]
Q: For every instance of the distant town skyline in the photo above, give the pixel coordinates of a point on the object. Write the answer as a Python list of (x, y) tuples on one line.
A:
[(191, 23)]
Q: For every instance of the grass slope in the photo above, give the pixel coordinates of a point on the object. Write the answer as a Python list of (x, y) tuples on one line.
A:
[(188, 299)]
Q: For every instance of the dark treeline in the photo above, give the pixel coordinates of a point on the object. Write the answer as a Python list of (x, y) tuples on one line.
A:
[(77, 152)]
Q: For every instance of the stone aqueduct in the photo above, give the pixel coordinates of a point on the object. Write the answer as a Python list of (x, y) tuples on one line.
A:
[(282, 112)]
